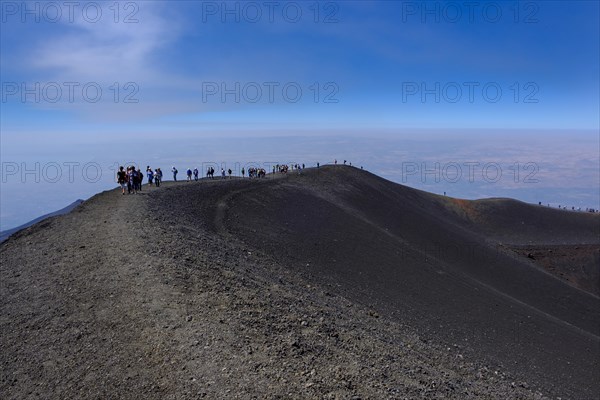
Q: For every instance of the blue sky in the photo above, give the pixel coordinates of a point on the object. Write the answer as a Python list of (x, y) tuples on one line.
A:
[(368, 52), (199, 70)]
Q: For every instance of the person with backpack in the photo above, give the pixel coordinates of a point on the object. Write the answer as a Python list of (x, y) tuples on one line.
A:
[(122, 178), (174, 170), (189, 174), (229, 172), (196, 174)]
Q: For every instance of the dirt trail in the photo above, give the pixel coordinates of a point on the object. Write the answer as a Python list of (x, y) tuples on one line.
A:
[(82, 296)]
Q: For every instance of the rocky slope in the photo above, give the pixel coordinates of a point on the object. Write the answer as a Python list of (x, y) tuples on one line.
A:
[(324, 285)]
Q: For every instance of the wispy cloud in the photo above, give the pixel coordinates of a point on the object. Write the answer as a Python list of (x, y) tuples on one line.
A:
[(107, 51)]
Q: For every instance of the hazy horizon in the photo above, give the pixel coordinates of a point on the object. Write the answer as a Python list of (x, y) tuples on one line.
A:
[(464, 167)]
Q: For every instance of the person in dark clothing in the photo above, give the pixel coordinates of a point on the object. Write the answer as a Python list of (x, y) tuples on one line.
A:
[(122, 178)]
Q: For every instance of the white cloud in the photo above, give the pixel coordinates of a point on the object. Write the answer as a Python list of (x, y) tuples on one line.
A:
[(106, 51)]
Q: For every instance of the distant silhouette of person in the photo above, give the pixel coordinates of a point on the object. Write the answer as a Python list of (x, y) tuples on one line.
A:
[(189, 174), (139, 178), (229, 172), (195, 174), (318, 165), (222, 173), (174, 170), (243, 172)]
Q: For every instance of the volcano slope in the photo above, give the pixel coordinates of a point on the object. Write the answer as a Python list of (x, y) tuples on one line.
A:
[(330, 284)]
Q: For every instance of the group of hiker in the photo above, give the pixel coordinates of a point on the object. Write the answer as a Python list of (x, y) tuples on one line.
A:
[(561, 207), (131, 179), (253, 172)]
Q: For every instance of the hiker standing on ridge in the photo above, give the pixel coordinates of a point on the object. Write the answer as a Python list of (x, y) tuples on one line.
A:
[(131, 180), (157, 176), (189, 174), (195, 174), (229, 172), (149, 174), (243, 172), (122, 178), (140, 179), (174, 170)]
